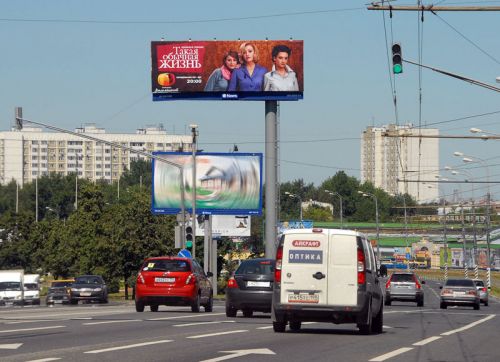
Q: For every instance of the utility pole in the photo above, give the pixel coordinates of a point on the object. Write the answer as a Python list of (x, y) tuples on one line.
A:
[(193, 186)]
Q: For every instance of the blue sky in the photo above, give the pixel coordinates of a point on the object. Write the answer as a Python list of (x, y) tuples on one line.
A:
[(92, 65)]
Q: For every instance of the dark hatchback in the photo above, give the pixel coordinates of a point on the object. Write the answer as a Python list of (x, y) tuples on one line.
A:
[(89, 288), (251, 288), (59, 292)]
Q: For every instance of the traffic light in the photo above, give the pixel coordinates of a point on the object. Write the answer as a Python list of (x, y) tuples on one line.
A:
[(397, 59), (189, 237)]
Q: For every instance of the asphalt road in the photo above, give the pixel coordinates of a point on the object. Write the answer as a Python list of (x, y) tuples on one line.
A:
[(115, 332)]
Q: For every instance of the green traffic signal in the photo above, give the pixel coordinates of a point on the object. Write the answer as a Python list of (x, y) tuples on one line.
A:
[(189, 244), (189, 237), (397, 59)]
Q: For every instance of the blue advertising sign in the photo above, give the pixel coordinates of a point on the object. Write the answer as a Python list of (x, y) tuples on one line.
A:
[(226, 183)]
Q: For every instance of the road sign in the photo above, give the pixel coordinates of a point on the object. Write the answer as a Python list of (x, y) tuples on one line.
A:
[(185, 254)]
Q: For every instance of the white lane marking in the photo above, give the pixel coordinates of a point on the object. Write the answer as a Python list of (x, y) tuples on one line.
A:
[(309, 322), (267, 327), (468, 325), (30, 329), (200, 323), (109, 322), (30, 321), (386, 327), (66, 314), (391, 354), (425, 341), (44, 359), (10, 346), (129, 346), (407, 311), (185, 316), (217, 334)]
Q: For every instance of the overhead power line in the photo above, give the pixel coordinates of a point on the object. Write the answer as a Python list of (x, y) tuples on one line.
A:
[(215, 20)]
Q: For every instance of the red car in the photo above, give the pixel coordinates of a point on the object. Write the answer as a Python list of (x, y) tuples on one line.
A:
[(169, 280)]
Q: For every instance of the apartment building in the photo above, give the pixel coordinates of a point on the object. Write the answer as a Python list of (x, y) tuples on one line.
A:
[(401, 164), (31, 153)]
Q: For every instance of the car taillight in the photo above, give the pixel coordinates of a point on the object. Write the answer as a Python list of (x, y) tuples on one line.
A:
[(388, 284), (140, 278), (447, 291), (472, 292), (361, 267), (277, 268), (483, 289), (231, 283), (417, 284), (191, 279)]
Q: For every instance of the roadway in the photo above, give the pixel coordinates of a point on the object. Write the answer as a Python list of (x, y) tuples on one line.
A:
[(115, 332)]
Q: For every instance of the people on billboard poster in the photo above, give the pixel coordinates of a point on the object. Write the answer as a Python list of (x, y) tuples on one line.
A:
[(281, 77), (250, 76), (220, 77)]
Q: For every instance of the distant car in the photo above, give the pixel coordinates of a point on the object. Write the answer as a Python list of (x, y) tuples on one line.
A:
[(459, 292), (404, 287), (59, 292), (173, 281), (89, 288), (482, 290), (251, 288)]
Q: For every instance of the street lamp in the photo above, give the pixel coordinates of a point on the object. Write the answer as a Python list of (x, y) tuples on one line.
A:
[(333, 193), (367, 194), (294, 196)]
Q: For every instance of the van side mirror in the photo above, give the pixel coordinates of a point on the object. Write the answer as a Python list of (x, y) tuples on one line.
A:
[(440, 287), (210, 274), (423, 281)]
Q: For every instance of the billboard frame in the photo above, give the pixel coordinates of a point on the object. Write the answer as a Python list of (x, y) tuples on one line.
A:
[(201, 210)]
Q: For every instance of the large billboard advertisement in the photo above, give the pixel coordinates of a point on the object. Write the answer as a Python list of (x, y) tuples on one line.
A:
[(227, 70), (226, 225), (226, 183)]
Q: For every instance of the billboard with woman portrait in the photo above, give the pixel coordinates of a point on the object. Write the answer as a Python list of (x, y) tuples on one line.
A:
[(227, 70)]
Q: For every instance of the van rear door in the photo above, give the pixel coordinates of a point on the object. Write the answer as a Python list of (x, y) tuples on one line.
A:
[(342, 270), (304, 269)]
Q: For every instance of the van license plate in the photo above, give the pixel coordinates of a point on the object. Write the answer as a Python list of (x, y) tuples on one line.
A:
[(252, 283), (303, 298), (85, 294), (164, 280)]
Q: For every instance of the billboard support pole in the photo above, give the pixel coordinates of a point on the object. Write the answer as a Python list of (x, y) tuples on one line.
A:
[(206, 243), (193, 186), (271, 167)]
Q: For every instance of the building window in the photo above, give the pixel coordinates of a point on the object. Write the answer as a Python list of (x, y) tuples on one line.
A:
[(34, 157), (34, 142), (34, 173)]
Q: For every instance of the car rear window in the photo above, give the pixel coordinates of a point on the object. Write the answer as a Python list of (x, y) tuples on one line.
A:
[(459, 283), (256, 267), (479, 283), (88, 280), (171, 265), (402, 278), (60, 284)]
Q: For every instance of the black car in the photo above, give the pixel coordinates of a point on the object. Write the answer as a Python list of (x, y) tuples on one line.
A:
[(89, 288), (251, 288), (59, 292)]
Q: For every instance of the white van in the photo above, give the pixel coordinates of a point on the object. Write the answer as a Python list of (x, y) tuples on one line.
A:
[(326, 275), (32, 289), (11, 286)]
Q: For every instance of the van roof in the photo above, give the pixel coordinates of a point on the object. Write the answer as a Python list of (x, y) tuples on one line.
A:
[(323, 231)]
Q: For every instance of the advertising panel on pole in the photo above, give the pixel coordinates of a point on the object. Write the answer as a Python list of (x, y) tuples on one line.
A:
[(227, 70), (226, 183), (226, 225)]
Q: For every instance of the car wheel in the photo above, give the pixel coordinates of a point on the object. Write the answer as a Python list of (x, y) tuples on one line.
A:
[(104, 301), (420, 302), (486, 303), (378, 321), (442, 305), (195, 307), (139, 306), (73, 301), (476, 306), (387, 301), (279, 327), (154, 307), (231, 311), (247, 313), (295, 325), (210, 305), (367, 328)]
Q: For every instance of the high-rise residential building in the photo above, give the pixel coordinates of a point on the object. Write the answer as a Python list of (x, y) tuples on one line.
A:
[(30, 153), (398, 164)]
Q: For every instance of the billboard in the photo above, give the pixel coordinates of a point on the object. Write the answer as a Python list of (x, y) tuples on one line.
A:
[(226, 183), (226, 225), (227, 70)]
